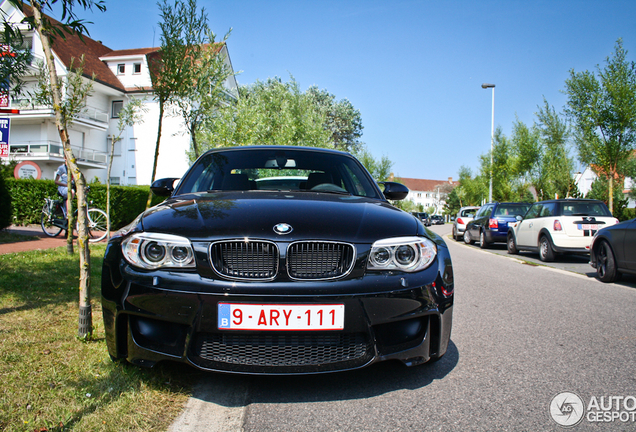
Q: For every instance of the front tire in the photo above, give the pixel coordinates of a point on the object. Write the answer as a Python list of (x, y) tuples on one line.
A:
[(546, 253), (512, 245), (46, 221), (606, 263), (97, 225)]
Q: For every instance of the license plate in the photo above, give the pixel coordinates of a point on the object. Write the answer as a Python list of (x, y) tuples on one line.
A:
[(283, 317), (588, 226)]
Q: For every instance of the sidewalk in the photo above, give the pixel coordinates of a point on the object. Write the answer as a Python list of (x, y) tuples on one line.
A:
[(43, 241)]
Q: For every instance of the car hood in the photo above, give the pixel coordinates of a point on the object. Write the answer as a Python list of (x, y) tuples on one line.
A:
[(318, 216)]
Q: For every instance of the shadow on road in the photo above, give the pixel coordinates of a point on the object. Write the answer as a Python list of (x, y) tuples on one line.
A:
[(363, 383)]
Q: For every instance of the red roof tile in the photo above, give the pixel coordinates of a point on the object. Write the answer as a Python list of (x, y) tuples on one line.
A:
[(72, 47), (423, 185)]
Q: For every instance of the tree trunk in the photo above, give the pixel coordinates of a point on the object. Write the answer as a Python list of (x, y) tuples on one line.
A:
[(154, 166), (110, 166), (70, 218), (85, 326), (195, 146), (611, 192)]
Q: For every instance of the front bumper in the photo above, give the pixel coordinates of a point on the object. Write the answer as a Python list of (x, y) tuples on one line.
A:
[(162, 315)]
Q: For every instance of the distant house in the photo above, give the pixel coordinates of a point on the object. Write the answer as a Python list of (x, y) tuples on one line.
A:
[(428, 193), (119, 76), (585, 179)]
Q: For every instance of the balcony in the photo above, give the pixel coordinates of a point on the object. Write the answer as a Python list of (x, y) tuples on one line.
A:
[(53, 151), (89, 116)]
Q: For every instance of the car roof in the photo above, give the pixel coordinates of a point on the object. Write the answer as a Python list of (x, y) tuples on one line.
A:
[(274, 147), (569, 200)]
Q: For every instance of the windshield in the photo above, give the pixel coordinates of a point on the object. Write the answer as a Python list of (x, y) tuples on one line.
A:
[(585, 208), (278, 170), (512, 209)]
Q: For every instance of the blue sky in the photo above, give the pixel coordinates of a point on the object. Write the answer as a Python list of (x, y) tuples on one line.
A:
[(413, 68)]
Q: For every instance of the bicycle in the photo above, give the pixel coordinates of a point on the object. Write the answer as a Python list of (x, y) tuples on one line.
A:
[(54, 220)]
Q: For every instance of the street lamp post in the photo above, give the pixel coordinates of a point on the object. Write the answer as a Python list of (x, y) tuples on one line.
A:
[(492, 134)]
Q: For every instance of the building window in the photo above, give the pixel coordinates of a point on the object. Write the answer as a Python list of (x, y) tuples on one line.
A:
[(114, 181), (117, 106), (121, 69), (137, 68), (116, 148)]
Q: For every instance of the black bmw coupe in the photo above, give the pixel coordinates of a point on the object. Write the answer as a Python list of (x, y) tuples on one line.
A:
[(277, 260)]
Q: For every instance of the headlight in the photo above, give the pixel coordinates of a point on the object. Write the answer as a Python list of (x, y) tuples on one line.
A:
[(409, 254), (153, 251)]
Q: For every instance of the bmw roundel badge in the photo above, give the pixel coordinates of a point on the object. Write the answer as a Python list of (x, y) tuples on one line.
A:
[(282, 228)]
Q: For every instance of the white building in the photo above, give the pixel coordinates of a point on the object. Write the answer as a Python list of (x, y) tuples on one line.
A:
[(585, 179), (119, 76), (428, 193)]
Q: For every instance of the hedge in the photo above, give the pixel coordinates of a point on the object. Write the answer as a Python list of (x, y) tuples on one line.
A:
[(5, 205), (27, 196)]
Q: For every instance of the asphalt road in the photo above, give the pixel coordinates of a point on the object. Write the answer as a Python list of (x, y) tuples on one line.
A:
[(521, 335)]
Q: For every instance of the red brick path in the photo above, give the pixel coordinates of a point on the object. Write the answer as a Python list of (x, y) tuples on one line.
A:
[(43, 242)]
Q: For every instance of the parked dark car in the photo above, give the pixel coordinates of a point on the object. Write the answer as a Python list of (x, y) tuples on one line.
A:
[(613, 251), (437, 220), (319, 274), (490, 224), (425, 218)]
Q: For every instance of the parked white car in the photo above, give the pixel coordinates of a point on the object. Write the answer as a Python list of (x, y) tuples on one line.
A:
[(464, 215), (559, 226)]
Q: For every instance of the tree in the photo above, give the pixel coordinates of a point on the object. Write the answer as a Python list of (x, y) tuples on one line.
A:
[(70, 103), (176, 65), (603, 109), (65, 110), (471, 191), (342, 120), (15, 59), (541, 158), (200, 89), (129, 115), (630, 172), (505, 186), (380, 169), (453, 203), (268, 113), (599, 191), (558, 166)]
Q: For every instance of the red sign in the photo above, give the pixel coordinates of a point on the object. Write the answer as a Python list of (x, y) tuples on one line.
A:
[(27, 169), (4, 99), (4, 150)]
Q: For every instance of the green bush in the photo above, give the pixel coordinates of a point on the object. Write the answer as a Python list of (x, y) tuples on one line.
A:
[(28, 195), (5, 205)]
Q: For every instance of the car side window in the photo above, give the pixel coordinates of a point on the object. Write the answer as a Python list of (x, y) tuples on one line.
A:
[(548, 210), (534, 211), (483, 211)]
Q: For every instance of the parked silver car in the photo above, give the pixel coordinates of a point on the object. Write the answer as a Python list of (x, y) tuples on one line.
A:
[(464, 215)]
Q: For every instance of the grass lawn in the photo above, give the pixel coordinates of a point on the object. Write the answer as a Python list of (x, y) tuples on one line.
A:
[(51, 381)]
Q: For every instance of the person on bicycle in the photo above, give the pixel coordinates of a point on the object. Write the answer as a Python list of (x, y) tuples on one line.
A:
[(61, 180)]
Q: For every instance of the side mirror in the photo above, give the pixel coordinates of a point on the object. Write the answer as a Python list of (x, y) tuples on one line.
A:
[(163, 187), (519, 218), (395, 191)]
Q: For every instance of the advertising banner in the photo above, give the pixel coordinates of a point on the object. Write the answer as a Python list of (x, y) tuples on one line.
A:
[(4, 137)]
